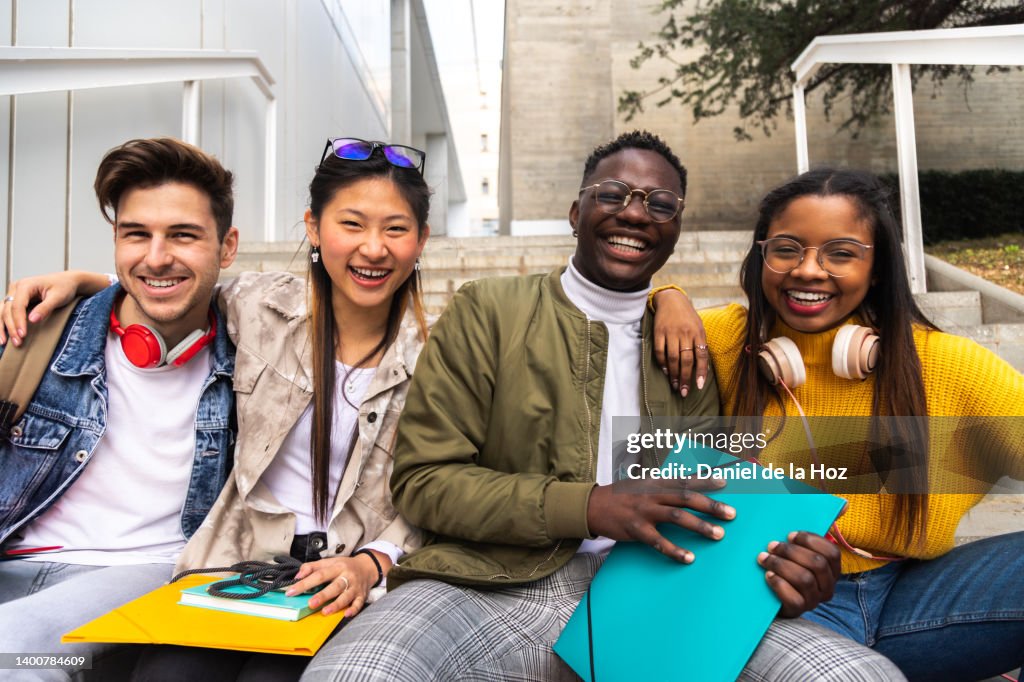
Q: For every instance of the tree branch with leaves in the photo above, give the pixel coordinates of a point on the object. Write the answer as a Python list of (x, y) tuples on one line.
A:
[(744, 49)]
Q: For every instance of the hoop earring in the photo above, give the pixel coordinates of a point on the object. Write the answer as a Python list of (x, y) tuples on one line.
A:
[(314, 254), (575, 234), (417, 267)]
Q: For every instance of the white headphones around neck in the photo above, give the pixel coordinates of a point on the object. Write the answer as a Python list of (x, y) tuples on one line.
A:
[(854, 356)]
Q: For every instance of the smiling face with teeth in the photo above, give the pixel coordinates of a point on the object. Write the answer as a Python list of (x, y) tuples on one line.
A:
[(622, 251), (369, 241), (168, 258), (807, 298)]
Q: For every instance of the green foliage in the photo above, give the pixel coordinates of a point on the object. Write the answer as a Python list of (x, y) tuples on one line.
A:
[(744, 49), (967, 205)]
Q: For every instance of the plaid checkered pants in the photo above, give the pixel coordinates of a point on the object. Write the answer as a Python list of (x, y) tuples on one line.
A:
[(430, 630)]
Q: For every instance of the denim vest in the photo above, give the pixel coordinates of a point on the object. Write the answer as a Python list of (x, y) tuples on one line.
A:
[(54, 441)]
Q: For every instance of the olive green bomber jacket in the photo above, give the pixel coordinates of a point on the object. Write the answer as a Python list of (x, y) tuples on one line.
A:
[(497, 447)]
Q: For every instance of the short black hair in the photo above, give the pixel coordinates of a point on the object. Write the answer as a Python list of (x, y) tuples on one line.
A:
[(635, 139)]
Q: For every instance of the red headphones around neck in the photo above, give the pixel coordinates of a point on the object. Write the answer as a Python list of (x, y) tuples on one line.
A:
[(145, 348)]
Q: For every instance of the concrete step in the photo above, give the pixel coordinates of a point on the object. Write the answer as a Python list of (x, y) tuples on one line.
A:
[(949, 309), (996, 514), (435, 299)]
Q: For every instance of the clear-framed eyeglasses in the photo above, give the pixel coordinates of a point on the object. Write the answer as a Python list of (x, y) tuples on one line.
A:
[(613, 196), (838, 257)]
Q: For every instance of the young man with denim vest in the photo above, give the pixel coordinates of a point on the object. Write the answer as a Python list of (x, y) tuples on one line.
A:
[(504, 453), (127, 441)]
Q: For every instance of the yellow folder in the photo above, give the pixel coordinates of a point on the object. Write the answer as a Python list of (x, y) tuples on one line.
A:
[(157, 618)]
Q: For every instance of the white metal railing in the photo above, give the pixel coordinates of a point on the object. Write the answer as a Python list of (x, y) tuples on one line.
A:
[(57, 69), (981, 46)]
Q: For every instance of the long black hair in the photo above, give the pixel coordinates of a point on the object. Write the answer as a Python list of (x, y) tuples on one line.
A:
[(889, 307), (333, 175)]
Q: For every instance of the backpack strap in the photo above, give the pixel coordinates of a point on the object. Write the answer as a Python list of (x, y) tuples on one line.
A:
[(22, 367)]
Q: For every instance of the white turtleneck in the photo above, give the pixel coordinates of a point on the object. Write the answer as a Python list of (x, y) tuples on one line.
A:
[(621, 313)]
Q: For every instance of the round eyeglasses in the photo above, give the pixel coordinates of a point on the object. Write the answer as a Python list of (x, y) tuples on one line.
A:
[(838, 257), (613, 196)]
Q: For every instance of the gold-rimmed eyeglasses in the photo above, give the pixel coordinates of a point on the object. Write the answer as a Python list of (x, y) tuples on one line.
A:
[(613, 196), (838, 257)]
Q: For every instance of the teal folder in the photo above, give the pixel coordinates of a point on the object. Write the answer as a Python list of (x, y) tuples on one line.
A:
[(273, 604), (653, 618)]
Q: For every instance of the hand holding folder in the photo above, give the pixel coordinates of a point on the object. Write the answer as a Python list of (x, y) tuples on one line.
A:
[(651, 617), (157, 618)]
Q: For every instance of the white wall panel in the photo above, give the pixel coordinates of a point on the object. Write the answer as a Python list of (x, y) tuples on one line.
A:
[(137, 23), (5, 131), (103, 119), (40, 152), (39, 166), (253, 25), (330, 60)]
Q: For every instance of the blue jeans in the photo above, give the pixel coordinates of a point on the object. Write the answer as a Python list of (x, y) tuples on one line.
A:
[(40, 601), (957, 617)]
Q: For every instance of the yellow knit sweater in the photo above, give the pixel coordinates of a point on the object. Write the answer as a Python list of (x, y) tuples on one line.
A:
[(961, 379)]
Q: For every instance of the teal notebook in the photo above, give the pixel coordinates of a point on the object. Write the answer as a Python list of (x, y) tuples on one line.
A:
[(270, 605), (653, 618)]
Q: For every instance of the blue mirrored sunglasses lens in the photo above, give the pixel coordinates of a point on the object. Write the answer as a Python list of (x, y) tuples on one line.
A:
[(355, 150), (399, 156)]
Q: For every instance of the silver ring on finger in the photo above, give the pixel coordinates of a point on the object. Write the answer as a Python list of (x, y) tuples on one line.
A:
[(347, 583), (702, 349), (8, 299)]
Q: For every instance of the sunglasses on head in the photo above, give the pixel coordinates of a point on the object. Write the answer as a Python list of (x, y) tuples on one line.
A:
[(354, 149)]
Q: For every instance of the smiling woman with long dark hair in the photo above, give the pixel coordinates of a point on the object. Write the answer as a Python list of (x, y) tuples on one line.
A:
[(832, 330)]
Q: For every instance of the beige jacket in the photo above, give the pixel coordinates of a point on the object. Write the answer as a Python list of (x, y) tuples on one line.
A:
[(267, 321)]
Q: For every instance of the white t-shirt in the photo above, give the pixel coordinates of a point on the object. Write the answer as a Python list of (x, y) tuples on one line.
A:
[(621, 313), (288, 476), (125, 508)]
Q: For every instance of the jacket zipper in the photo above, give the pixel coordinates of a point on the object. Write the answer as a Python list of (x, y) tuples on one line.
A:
[(643, 378), (590, 445), (586, 404)]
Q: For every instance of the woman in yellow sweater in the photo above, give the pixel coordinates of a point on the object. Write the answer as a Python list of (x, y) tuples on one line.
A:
[(826, 259)]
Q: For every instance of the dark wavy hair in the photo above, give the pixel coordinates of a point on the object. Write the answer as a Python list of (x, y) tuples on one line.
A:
[(146, 163), (333, 175), (889, 308)]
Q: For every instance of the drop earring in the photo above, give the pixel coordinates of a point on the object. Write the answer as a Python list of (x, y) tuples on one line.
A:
[(314, 254), (417, 267)]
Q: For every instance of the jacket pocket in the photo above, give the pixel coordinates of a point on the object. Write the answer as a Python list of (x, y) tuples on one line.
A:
[(374, 486), (35, 460), (39, 433)]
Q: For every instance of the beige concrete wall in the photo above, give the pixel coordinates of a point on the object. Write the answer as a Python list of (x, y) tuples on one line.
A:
[(567, 64), (558, 95)]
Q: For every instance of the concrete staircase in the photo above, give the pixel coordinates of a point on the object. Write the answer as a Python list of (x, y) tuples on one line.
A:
[(706, 263)]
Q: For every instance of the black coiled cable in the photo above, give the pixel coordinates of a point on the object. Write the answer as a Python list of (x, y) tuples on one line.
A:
[(260, 576)]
